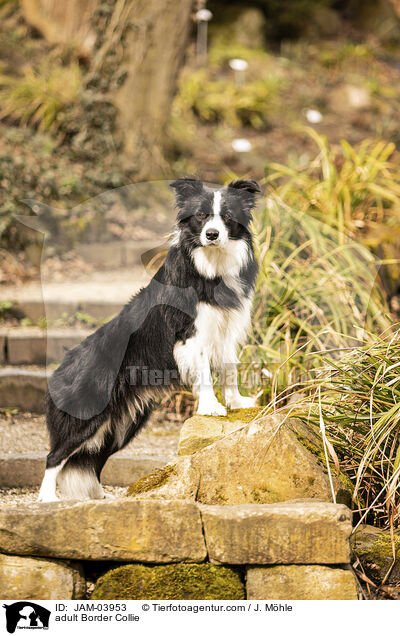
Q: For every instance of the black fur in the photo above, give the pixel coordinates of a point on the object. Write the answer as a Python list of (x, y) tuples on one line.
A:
[(93, 385)]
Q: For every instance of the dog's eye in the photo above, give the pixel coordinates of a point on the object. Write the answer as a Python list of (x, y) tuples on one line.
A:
[(227, 216), (201, 216)]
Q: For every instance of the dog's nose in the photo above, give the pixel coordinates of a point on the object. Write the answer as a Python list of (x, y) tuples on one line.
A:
[(212, 235)]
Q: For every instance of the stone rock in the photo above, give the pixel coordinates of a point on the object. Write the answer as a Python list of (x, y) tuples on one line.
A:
[(266, 461), (183, 581), (301, 582), (200, 430), (118, 530), (292, 532), (373, 547), (182, 485), (29, 578), (35, 310)]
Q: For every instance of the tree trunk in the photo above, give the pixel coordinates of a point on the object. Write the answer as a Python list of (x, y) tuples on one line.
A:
[(149, 38), (155, 49)]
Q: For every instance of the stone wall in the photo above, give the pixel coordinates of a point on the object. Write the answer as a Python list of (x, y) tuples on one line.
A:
[(294, 549), (244, 512)]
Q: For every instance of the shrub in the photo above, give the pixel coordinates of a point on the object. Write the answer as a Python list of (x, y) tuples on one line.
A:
[(355, 190), (221, 100), (317, 292), (38, 97), (357, 400)]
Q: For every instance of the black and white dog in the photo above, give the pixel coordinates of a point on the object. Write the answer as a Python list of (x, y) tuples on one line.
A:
[(192, 317)]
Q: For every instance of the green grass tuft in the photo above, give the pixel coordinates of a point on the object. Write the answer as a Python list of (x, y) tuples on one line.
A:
[(39, 97)]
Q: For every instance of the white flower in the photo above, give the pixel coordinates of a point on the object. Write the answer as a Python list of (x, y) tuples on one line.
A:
[(314, 116), (241, 145)]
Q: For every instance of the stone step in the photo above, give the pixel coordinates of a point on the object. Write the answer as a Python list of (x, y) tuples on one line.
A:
[(300, 531), (23, 470), (98, 294), (53, 310), (23, 388), (116, 254), (37, 346), (154, 531)]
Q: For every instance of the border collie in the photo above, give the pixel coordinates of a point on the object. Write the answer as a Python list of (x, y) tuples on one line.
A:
[(190, 319)]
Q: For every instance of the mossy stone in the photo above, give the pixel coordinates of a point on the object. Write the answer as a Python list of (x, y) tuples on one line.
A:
[(180, 581), (373, 546), (244, 415), (149, 482), (246, 459), (200, 431), (313, 443)]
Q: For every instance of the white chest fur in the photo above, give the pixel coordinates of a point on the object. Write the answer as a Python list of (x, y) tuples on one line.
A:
[(220, 331), (226, 261)]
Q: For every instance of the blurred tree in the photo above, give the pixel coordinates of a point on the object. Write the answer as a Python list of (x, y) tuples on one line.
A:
[(66, 23), (396, 4), (378, 18), (146, 40)]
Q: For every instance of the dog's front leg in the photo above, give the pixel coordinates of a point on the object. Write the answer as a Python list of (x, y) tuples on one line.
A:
[(204, 390), (194, 368), (230, 391)]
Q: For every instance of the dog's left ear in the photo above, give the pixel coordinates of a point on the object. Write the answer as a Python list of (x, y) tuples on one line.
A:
[(248, 190), (246, 185)]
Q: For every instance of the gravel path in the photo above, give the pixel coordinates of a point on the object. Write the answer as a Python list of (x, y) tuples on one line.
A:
[(17, 496), (26, 432)]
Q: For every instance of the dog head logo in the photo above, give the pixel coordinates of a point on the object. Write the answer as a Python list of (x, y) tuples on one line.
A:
[(26, 615)]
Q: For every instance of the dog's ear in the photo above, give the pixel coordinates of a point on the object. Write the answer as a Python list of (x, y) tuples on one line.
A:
[(246, 185), (186, 187), (247, 190)]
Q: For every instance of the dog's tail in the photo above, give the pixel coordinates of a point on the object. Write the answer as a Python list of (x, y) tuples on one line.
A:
[(78, 478)]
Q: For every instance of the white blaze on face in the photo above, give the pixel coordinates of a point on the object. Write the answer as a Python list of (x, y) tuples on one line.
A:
[(215, 223)]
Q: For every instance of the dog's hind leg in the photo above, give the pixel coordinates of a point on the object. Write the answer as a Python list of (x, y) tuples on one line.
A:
[(78, 478), (63, 448), (47, 490)]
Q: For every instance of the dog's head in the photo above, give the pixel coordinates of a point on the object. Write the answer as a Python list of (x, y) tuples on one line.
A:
[(211, 218)]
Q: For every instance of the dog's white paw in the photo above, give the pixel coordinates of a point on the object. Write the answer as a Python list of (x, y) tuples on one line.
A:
[(214, 408), (243, 402), (43, 498)]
